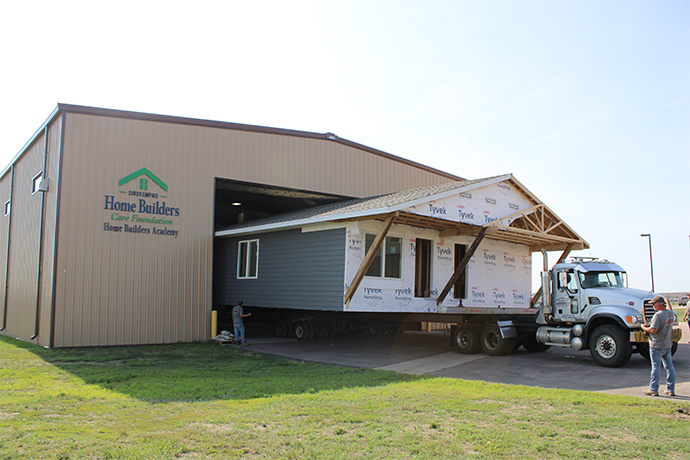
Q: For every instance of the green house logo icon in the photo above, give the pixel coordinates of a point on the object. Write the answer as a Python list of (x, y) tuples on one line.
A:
[(144, 176)]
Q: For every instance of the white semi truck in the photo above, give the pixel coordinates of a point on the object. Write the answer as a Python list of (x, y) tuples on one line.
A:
[(586, 304)]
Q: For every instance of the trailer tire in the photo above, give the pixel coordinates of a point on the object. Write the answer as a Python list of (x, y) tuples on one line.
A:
[(394, 330), (466, 338), (322, 331), (610, 346), (281, 329), (375, 330), (532, 345), (493, 343), (304, 330)]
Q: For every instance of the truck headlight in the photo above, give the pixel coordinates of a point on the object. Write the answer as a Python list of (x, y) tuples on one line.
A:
[(637, 319)]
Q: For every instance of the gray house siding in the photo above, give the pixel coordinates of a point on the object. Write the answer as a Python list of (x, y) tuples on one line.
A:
[(295, 270)]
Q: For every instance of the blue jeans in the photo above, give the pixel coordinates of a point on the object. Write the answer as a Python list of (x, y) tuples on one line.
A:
[(239, 333), (658, 357)]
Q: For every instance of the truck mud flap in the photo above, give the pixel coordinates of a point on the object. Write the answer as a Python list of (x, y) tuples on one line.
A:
[(508, 329)]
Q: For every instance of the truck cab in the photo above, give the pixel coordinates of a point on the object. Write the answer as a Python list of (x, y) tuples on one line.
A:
[(589, 305)]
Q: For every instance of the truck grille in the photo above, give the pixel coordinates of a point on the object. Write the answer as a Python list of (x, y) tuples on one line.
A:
[(648, 310)]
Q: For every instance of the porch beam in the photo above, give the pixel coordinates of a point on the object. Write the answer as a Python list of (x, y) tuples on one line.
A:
[(369, 257), (460, 269)]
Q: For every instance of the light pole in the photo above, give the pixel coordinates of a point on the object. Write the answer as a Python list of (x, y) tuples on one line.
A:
[(651, 265)]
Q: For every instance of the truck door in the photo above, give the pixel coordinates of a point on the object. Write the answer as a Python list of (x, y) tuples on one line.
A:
[(567, 296)]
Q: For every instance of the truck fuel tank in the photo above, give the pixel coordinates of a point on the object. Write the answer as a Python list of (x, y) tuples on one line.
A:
[(560, 337)]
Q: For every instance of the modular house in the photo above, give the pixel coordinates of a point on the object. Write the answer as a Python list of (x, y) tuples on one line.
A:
[(439, 249)]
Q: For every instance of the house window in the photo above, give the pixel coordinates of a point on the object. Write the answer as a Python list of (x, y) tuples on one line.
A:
[(36, 186), (248, 259), (7, 208), (388, 260)]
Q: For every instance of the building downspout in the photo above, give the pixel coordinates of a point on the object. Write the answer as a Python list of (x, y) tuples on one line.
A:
[(7, 261), (40, 238)]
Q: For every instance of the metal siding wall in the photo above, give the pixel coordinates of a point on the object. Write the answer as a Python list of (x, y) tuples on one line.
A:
[(125, 288), (122, 288), (296, 270), (23, 251), (5, 193), (50, 226), (308, 164)]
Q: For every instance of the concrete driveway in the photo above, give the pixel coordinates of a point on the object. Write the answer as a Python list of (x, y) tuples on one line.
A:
[(429, 353)]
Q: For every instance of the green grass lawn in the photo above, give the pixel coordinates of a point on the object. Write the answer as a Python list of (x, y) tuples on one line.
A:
[(204, 401)]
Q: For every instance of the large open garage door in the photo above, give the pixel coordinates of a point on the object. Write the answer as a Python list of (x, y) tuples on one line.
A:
[(238, 202)]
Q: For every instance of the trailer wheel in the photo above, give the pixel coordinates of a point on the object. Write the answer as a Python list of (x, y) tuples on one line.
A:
[(394, 330), (466, 338), (281, 329), (493, 343), (532, 345), (322, 331), (375, 330), (304, 330), (610, 346)]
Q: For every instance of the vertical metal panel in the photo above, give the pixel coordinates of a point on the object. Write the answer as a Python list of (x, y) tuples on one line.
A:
[(5, 196), (295, 270), (23, 252), (49, 233), (116, 288)]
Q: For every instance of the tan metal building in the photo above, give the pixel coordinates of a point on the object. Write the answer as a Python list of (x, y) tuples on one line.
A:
[(109, 216)]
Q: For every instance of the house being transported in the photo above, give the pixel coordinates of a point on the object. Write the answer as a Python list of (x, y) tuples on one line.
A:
[(429, 254)]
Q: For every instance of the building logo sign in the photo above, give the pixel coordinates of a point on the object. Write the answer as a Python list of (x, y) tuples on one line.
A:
[(139, 208)]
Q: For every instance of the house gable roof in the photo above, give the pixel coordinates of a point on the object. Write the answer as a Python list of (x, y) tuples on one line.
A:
[(536, 226)]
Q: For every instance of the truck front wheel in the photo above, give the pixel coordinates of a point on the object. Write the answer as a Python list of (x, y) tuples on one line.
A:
[(466, 338), (610, 346)]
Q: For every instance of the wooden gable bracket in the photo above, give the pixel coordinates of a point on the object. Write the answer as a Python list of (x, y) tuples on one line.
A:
[(369, 257), (460, 269)]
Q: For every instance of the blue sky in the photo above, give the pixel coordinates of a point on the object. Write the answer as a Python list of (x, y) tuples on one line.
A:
[(587, 103)]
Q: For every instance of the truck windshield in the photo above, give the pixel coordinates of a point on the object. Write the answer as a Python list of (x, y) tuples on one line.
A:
[(601, 279)]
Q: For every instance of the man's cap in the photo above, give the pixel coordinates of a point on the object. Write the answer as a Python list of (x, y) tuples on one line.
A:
[(659, 299)]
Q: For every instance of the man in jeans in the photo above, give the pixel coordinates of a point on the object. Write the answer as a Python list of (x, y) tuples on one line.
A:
[(238, 316), (660, 344)]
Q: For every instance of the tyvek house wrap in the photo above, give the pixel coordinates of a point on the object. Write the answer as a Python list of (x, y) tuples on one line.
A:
[(498, 275)]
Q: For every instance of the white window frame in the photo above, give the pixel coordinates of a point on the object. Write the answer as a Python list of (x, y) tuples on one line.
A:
[(36, 183), (246, 264), (8, 207), (383, 250)]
